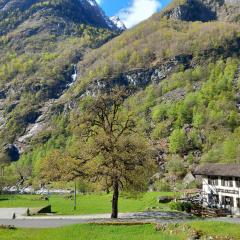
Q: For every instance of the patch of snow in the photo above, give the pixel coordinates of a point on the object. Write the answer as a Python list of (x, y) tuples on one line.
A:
[(113, 25), (92, 3), (118, 23)]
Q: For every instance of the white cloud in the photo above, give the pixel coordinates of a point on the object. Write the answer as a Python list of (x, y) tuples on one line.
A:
[(138, 11), (99, 2)]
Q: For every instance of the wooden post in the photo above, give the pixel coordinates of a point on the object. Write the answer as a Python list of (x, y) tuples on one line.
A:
[(75, 195)]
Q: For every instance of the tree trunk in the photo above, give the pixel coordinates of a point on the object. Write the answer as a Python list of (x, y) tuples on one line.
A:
[(115, 199)]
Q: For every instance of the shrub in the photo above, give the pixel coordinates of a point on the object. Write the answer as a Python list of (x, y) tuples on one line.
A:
[(162, 185), (176, 166), (181, 206), (161, 130), (178, 142)]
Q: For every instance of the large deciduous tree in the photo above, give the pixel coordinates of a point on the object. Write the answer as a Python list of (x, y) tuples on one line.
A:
[(108, 148)]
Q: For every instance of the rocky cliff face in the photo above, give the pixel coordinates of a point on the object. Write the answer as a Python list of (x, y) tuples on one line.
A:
[(204, 10)]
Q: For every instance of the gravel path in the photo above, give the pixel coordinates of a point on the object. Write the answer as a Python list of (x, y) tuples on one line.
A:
[(53, 223), (59, 221)]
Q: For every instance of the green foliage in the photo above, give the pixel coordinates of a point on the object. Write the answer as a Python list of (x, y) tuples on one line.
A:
[(151, 41), (227, 151), (117, 231), (91, 203), (175, 166), (181, 206), (124, 231), (38, 66), (161, 130), (161, 185), (178, 141)]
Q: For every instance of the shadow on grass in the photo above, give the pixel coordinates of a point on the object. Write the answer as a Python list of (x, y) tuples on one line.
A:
[(4, 199)]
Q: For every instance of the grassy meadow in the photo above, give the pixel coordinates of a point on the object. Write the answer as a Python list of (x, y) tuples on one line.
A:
[(87, 204), (125, 232), (88, 232)]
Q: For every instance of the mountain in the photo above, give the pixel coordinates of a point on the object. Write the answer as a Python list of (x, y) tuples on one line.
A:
[(182, 66), (117, 21), (60, 14), (204, 10), (41, 41)]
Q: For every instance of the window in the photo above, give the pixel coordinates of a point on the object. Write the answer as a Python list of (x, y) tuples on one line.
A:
[(227, 201), (213, 181), (227, 182), (237, 182), (238, 202), (213, 200)]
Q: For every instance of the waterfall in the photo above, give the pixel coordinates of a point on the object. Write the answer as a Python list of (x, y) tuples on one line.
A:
[(73, 77)]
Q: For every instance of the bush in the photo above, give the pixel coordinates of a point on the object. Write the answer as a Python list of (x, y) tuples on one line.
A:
[(178, 142), (161, 130), (175, 166), (181, 206), (162, 186)]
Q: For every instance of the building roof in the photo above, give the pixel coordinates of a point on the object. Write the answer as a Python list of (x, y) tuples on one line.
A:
[(223, 170)]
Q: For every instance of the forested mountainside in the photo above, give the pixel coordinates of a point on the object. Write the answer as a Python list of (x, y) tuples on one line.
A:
[(40, 43), (182, 66)]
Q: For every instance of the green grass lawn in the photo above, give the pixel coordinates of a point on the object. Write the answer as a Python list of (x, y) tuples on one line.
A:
[(88, 232), (120, 232), (218, 229), (87, 204)]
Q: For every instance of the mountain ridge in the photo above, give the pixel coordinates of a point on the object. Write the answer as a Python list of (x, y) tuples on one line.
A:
[(15, 12), (203, 10), (181, 72), (41, 41)]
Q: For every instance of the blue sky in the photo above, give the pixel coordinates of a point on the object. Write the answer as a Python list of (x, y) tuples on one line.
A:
[(132, 12)]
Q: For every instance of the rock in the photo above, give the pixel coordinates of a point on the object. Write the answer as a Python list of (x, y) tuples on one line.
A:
[(12, 152), (210, 238), (195, 235), (8, 227), (136, 79), (11, 107), (189, 178), (160, 227), (204, 10), (192, 11), (2, 94), (42, 210), (31, 117), (174, 95)]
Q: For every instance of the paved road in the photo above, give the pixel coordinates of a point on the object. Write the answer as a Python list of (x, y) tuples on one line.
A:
[(40, 223), (7, 213), (59, 221), (53, 223)]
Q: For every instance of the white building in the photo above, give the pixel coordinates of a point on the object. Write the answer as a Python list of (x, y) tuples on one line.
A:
[(221, 186)]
